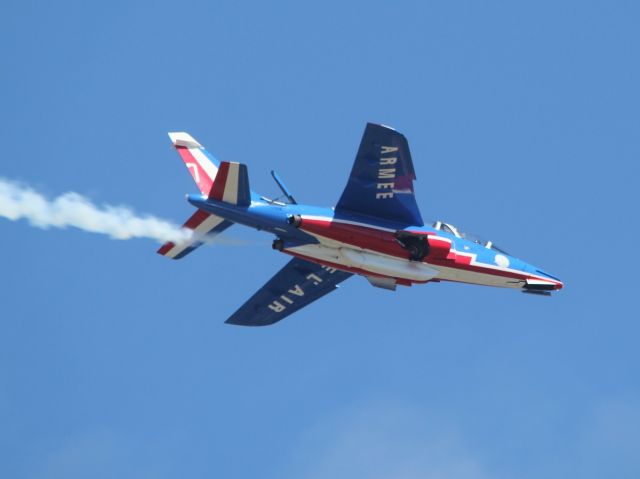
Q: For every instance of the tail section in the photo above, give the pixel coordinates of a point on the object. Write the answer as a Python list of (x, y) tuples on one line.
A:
[(202, 166), (226, 181), (204, 227), (231, 184)]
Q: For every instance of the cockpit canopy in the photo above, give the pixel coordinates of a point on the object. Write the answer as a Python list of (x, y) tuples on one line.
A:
[(449, 228)]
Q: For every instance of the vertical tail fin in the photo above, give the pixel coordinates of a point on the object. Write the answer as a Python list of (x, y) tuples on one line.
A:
[(226, 181), (202, 166)]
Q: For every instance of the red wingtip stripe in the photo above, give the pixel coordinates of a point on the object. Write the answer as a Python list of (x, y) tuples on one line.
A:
[(217, 190)]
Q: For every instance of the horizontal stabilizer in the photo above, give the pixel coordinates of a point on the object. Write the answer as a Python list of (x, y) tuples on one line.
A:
[(231, 184), (204, 227)]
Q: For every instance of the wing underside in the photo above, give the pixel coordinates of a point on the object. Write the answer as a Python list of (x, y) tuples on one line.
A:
[(381, 181), (295, 286)]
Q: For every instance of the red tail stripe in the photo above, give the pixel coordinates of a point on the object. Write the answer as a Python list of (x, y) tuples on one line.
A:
[(203, 180), (217, 190)]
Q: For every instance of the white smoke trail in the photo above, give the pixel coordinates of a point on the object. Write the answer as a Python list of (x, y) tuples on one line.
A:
[(18, 201)]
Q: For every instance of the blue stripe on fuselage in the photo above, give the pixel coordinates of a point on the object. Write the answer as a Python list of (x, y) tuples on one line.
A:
[(259, 215)]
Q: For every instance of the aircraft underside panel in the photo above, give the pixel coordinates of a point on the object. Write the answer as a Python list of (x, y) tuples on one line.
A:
[(381, 181), (295, 286), (456, 266), (367, 262)]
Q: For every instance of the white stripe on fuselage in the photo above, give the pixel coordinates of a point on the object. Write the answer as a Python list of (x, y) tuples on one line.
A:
[(372, 262)]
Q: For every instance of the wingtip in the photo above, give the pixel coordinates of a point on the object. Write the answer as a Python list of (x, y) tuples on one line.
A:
[(381, 125), (182, 138)]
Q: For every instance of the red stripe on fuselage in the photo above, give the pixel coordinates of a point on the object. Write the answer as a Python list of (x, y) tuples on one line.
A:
[(361, 236)]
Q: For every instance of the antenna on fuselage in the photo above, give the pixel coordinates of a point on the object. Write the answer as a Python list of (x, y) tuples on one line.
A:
[(283, 188)]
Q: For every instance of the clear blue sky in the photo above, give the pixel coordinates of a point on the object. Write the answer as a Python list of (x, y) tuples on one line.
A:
[(523, 122)]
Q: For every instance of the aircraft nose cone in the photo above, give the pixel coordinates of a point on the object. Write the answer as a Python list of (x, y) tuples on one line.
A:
[(544, 281), (557, 284)]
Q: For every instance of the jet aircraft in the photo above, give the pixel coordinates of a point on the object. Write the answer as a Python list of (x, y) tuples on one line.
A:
[(375, 230)]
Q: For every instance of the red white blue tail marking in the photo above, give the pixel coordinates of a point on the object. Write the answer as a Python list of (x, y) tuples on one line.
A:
[(202, 169), (231, 184), (203, 225)]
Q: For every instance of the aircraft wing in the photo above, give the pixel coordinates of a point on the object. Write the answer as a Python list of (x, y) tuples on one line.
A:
[(381, 181), (295, 286)]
